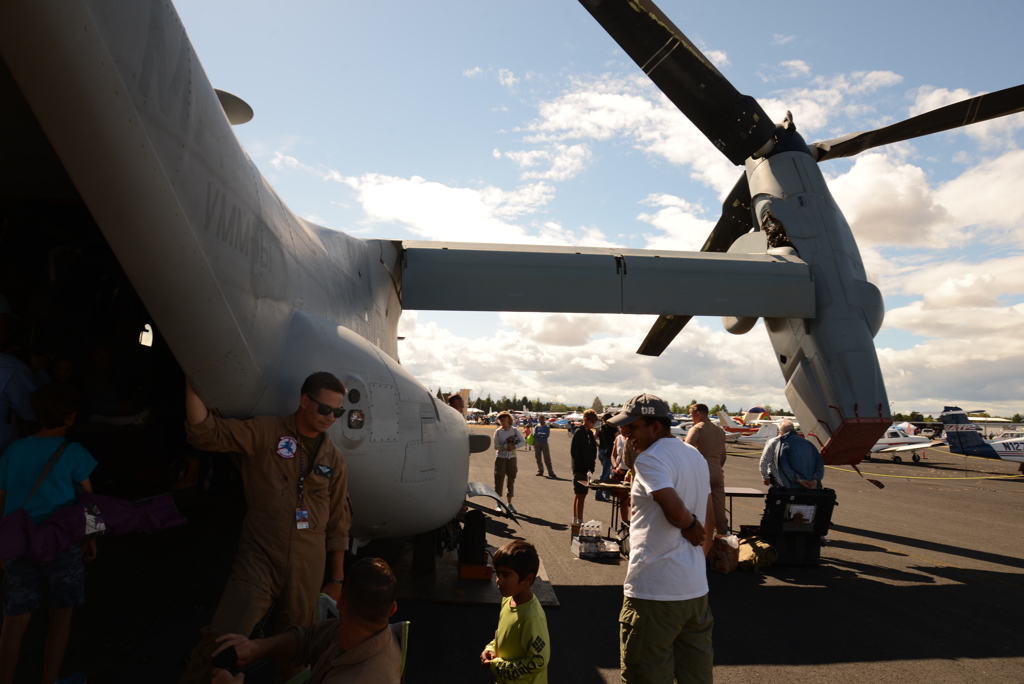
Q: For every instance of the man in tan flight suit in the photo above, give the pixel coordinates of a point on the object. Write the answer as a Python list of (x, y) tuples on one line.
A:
[(709, 440), (296, 491)]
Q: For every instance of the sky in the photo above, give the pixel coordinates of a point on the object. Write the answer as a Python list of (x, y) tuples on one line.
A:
[(524, 123)]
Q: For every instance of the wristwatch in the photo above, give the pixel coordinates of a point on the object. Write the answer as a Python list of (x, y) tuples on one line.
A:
[(335, 581)]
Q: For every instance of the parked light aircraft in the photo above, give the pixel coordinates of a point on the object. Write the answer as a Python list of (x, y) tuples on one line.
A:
[(759, 438), (120, 162), (963, 437), (731, 426), (897, 444)]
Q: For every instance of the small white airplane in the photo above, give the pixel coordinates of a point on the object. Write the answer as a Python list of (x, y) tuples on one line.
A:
[(759, 438), (898, 443), (681, 427)]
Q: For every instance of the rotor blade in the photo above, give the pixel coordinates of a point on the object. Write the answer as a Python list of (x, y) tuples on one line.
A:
[(661, 334), (733, 122), (974, 110), (734, 222)]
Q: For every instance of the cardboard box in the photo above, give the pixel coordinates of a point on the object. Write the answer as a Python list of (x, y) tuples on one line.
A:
[(588, 549)]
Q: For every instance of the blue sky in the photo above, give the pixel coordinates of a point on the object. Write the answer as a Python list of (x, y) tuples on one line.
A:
[(524, 123)]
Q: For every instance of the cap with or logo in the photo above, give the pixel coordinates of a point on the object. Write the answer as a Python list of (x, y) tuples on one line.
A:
[(641, 406)]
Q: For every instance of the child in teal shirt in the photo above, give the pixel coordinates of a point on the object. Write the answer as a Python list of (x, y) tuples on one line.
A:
[(521, 649)]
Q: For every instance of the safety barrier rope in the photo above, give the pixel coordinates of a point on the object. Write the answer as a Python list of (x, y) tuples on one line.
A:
[(923, 477)]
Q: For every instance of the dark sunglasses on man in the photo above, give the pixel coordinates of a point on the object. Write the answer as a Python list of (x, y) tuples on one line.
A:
[(326, 409)]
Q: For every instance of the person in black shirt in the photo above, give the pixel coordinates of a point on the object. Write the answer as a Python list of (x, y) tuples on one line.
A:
[(583, 451)]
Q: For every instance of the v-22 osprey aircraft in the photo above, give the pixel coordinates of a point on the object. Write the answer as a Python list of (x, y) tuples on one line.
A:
[(113, 112)]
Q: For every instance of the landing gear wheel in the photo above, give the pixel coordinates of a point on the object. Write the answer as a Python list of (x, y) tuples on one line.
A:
[(917, 458), (897, 459)]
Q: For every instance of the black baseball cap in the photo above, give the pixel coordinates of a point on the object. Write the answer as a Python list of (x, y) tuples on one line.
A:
[(641, 406)]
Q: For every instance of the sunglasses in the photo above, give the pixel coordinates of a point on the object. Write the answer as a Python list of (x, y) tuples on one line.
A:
[(326, 409)]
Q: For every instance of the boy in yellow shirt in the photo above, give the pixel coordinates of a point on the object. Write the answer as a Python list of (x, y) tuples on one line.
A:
[(521, 648)]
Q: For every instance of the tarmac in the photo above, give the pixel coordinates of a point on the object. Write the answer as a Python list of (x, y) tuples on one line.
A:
[(922, 581)]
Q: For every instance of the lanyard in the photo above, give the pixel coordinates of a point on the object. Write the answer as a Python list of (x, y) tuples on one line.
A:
[(303, 472)]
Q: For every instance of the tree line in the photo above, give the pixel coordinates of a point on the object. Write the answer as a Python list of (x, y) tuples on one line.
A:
[(489, 405), (517, 403)]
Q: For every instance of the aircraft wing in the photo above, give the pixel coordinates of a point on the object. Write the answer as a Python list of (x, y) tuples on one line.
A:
[(910, 447), (602, 280)]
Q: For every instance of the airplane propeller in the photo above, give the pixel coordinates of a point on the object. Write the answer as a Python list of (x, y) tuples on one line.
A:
[(733, 122), (738, 126), (963, 113)]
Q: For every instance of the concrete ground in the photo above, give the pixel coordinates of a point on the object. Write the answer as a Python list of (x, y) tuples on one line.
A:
[(920, 581)]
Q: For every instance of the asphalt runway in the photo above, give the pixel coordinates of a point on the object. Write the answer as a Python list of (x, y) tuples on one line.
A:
[(922, 581)]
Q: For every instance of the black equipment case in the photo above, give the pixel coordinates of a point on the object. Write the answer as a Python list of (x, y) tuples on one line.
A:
[(795, 520)]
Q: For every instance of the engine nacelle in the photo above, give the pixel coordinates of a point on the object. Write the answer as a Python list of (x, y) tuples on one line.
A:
[(833, 379)]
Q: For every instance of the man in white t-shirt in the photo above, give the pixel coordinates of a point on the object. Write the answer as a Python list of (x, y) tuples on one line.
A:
[(665, 623)]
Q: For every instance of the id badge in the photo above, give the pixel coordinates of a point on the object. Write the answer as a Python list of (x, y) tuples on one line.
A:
[(301, 518)]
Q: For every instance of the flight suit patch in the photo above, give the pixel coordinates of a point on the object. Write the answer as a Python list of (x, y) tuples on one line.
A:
[(287, 446), (326, 471)]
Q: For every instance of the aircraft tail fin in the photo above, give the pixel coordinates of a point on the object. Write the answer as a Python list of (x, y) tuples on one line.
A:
[(727, 420), (961, 434)]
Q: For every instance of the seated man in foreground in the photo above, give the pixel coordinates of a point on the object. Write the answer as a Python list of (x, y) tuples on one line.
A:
[(359, 646)]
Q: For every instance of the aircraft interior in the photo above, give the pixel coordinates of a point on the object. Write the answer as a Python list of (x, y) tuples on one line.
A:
[(77, 318)]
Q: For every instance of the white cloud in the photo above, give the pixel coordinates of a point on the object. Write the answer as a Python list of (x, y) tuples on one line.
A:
[(679, 221), (890, 203), (987, 196), (795, 67), (866, 82), (438, 212), (563, 161), (507, 78), (927, 98), (718, 57), (475, 71), (601, 361), (592, 363), (780, 39), (958, 284), (631, 109)]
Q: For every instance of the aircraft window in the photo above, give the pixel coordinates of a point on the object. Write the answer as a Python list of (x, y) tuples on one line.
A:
[(146, 336), (353, 396), (356, 419)]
